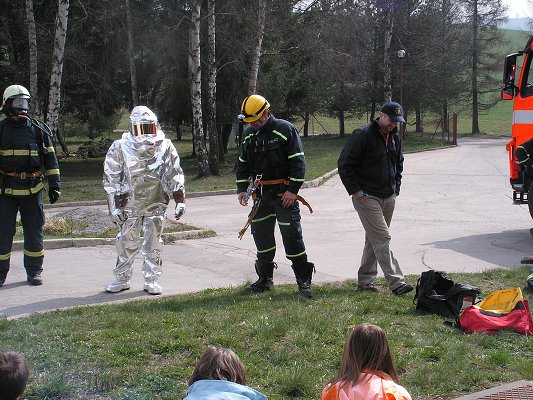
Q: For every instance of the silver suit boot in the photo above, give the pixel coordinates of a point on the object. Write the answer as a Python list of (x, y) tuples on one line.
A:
[(153, 287), (117, 286)]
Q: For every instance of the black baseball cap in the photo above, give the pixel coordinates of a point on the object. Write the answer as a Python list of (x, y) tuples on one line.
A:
[(393, 110)]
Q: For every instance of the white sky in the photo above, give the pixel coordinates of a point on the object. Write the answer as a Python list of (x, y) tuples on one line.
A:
[(518, 8)]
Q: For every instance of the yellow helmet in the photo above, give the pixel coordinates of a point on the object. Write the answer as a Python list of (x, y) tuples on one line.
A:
[(253, 108)]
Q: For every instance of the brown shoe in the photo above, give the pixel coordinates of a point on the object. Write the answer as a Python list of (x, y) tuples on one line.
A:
[(402, 289), (369, 287)]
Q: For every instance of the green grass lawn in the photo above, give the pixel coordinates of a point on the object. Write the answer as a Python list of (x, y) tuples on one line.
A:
[(291, 346)]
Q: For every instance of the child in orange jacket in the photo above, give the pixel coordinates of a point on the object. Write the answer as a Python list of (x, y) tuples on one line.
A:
[(366, 371)]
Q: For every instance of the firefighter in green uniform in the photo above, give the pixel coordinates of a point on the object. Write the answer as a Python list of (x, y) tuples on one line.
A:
[(26, 157), (272, 152)]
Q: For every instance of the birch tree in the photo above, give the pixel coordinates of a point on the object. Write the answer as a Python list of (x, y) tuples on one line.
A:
[(131, 58), (32, 41), (389, 24), (195, 81), (212, 133), (256, 56), (54, 96)]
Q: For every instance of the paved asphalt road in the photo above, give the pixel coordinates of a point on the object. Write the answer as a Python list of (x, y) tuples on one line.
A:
[(454, 213)]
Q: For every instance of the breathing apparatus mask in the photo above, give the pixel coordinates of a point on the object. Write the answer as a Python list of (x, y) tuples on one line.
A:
[(19, 106)]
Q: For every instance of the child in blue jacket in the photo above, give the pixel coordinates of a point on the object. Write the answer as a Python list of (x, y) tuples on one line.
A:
[(220, 375)]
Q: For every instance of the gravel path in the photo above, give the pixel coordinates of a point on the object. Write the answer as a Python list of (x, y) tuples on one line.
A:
[(93, 219)]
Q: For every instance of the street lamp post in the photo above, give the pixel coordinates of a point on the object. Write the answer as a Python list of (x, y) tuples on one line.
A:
[(401, 56)]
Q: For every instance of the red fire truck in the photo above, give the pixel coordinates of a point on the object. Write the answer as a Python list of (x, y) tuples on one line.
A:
[(521, 174)]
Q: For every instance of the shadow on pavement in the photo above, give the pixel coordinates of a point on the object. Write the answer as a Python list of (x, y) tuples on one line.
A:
[(69, 302), (488, 247)]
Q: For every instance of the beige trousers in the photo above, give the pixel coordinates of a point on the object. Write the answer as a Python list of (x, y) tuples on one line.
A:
[(375, 214)]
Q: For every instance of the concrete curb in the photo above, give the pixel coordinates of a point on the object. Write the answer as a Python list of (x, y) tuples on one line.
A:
[(320, 180), (433, 149), (314, 183), (49, 244)]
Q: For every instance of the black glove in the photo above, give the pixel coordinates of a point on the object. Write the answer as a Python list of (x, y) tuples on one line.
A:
[(53, 194)]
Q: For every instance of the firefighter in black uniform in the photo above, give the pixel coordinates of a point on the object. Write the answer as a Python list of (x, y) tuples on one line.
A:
[(26, 157), (271, 151)]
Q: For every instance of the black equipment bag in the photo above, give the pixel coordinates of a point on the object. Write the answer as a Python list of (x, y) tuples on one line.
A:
[(436, 293)]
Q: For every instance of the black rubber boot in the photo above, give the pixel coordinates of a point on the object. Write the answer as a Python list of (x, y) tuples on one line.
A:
[(304, 272), (3, 276), (34, 278), (266, 277)]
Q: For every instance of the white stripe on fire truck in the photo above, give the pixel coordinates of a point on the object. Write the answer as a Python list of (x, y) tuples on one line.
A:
[(523, 117)]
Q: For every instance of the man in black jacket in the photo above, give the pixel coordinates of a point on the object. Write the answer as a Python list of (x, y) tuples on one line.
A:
[(272, 153), (370, 167), (26, 157)]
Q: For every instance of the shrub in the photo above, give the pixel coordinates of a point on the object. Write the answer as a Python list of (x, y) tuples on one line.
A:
[(94, 148)]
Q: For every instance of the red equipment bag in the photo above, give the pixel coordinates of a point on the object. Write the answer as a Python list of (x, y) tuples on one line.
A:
[(502, 309)]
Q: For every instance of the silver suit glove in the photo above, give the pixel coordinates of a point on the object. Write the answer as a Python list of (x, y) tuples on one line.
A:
[(179, 211)]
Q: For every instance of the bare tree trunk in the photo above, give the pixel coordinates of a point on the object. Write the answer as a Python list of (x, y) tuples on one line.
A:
[(387, 84), (133, 71), (256, 57), (195, 73), (32, 38), (475, 62), (306, 124), (212, 132), (341, 123), (445, 125), (226, 133), (221, 148), (419, 127), (54, 95)]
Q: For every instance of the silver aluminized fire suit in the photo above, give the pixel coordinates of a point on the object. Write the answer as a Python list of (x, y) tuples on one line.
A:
[(141, 173)]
